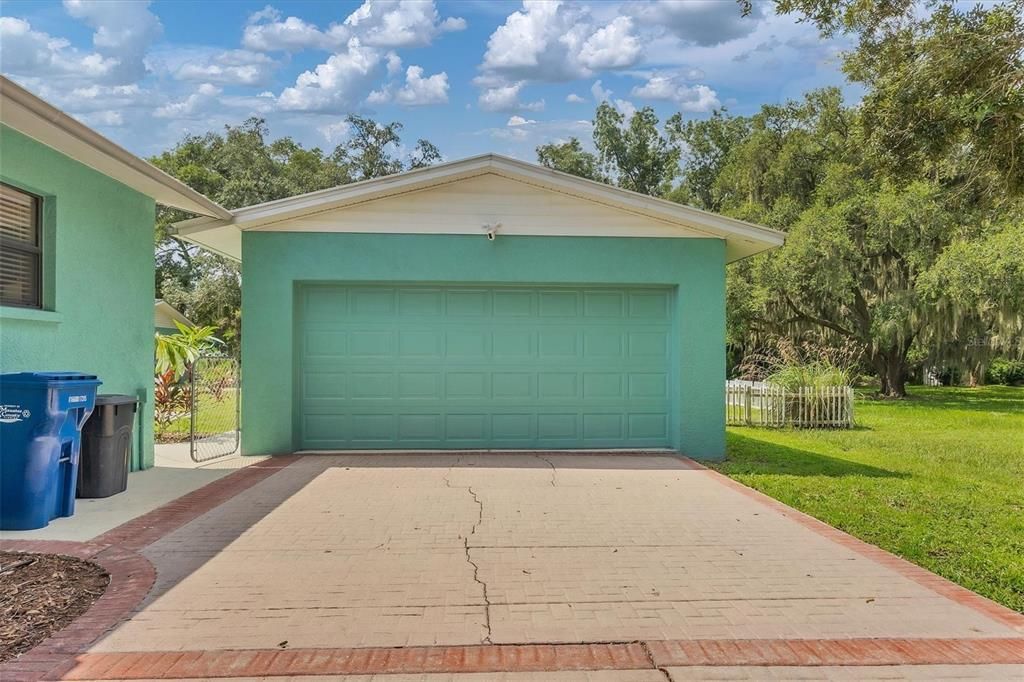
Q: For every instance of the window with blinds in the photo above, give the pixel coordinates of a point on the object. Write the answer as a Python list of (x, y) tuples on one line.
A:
[(21, 253)]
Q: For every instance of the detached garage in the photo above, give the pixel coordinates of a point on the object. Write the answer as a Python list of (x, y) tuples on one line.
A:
[(481, 304)]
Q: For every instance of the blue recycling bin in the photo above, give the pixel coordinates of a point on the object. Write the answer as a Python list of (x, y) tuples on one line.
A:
[(41, 418)]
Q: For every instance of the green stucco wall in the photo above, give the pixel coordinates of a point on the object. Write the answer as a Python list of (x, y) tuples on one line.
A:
[(276, 262), (98, 288)]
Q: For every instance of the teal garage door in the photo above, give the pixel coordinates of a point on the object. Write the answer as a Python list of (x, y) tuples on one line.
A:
[(428, 367)]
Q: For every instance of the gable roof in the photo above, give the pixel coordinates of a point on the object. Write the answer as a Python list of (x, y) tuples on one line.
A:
[(223, 236), (34, 117)]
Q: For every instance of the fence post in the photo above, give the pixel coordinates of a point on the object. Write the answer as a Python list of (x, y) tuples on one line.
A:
[(192, 409)]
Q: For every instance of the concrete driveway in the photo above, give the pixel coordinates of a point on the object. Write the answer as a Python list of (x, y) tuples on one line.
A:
[(650, 561)]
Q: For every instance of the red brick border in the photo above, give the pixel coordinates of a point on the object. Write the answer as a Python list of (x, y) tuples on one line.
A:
[(543, 658), (922, 576), (131, 574)]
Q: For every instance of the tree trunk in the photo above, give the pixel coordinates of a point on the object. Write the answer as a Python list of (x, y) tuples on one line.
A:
[(892, 372)]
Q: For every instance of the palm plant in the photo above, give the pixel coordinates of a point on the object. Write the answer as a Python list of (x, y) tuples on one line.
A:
[(176, 353)]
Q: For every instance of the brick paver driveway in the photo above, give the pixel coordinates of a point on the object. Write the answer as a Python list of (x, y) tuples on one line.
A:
[(333, 562)]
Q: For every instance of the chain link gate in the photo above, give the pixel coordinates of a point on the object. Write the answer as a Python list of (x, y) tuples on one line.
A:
[(214, 421)]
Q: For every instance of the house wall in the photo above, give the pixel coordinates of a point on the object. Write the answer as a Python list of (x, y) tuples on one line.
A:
[(275, 262), (98, 286)]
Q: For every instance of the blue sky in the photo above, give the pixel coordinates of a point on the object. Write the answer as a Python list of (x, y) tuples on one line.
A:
[(471, 76)]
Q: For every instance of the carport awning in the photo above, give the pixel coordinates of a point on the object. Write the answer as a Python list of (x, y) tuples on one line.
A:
[(665, 218)]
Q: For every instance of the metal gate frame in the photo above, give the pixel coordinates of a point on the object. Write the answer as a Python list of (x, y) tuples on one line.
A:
[(215, 449)]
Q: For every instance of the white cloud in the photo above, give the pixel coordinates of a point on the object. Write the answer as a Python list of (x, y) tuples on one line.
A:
[(384, 24), (27, 52), (335, 132), (602, 94), (335, 85), (400, 23), (394, 63), (519, 121), (612, 47), (193, 106), (686, 97), (506, 98), (702, 22), (99, 97), (123, 31), (625, 107), (266, 32), (531, 133), (552, 41), (573, 98), (232, 67), (102, 118), (453, 24), (341, 82), (417, 91)]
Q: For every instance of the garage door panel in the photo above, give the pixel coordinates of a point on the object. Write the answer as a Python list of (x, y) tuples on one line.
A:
[(421, 427), (371, 343), (602, 427), (513, 345), (418, 344), (465, 343), (560, 304), (419, 386), (435, 367), (649, 305), (558, 344), (648, 385), (512, 303), (371, 302), (606, 304), (647, 426), (466, 303)]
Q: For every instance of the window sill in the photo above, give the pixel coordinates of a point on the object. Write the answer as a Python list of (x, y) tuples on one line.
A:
[(30, 315)]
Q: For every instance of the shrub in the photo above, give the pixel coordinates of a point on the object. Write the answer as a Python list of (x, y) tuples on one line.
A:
[(814, 374), (1005, 371), (813, 364)]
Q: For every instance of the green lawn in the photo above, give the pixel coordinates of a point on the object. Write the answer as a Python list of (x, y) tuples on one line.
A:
[(937, 479), (212, 417)]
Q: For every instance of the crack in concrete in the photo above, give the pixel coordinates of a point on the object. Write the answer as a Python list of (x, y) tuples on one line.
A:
[(465, 543), (476, 567), (554, 472), (650, 659)]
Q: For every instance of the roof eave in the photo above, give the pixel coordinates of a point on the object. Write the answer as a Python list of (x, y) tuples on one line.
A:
[(36, 118)]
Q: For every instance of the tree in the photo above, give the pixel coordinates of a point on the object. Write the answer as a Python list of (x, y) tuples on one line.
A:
[(632, 154), (864, 249), (635, 155), (570, 157), (241, 167), (708, 144), (898, 210), (370, 151), (945, 92)]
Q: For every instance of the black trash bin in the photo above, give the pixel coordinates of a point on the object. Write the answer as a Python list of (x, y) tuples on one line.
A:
[(107, 446)]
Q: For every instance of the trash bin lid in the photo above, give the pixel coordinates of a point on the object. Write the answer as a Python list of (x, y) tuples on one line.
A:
[(45, 377), (116, 399)]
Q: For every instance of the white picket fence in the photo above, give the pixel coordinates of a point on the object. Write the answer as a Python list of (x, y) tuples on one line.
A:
[(755, 403)]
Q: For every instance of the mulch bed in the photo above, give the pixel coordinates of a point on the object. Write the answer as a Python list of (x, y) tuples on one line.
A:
[(40, 594)]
